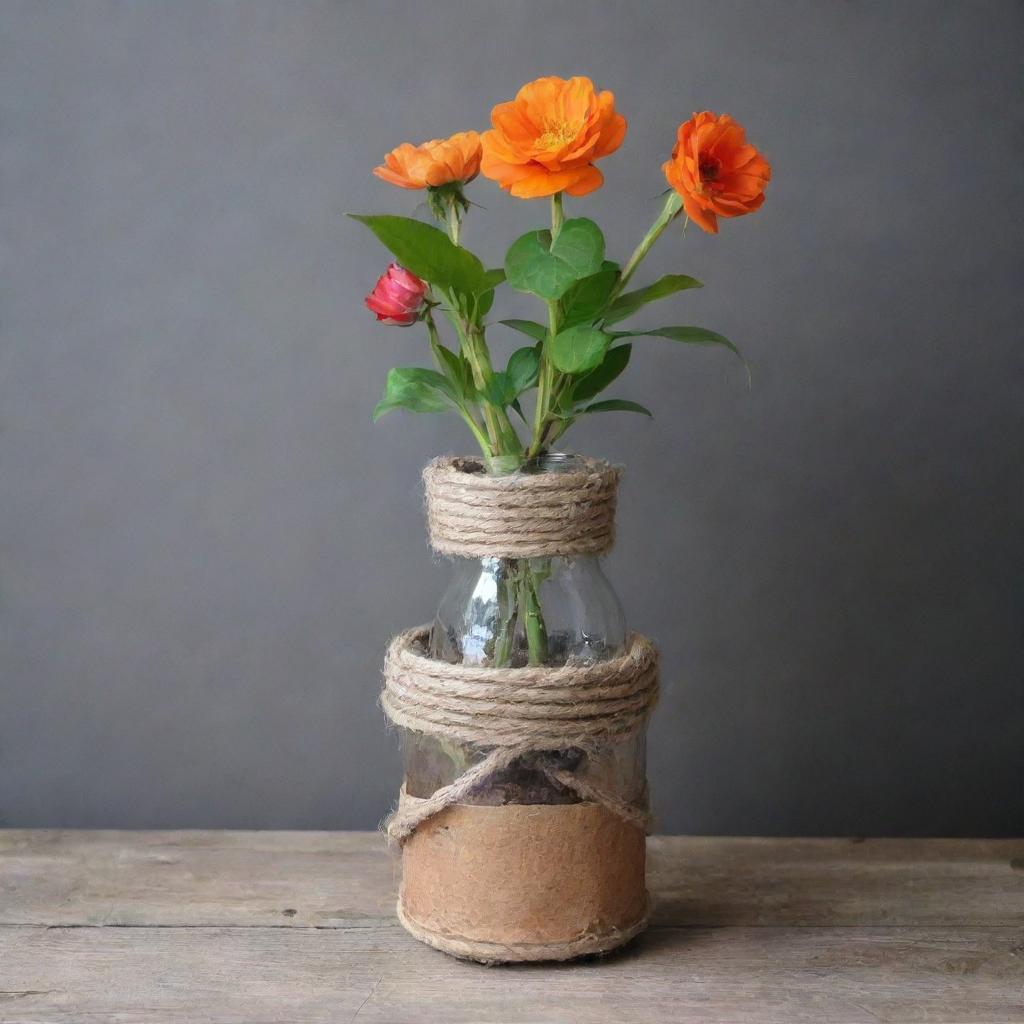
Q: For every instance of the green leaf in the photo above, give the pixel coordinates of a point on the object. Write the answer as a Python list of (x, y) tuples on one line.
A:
[(492, 278), (458, 371), (579, 348), (499, 389), (617, 405), (416, 389), (485, 298), (628, 304), (587, 298), (505, 386), (429, 253), (688, 335), (580, 245), (522, 369), (615, 361), (514, 404), (537, 265), (532, 330)]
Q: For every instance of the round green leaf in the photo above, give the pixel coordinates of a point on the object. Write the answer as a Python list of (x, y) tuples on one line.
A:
[(578, 349), (537, 265)]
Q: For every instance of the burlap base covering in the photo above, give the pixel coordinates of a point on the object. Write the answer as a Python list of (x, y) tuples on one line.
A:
[(524, 882)]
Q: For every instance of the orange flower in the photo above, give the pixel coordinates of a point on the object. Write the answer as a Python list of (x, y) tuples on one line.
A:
[(434, 163), (715, 170), (547, 139)]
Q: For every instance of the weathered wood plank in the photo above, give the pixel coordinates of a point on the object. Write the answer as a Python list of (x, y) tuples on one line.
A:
[(378, 974), (837, 882), (298, 879), (321, 879)]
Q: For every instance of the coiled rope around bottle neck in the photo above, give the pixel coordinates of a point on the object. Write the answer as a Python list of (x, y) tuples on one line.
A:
[(475, 514)]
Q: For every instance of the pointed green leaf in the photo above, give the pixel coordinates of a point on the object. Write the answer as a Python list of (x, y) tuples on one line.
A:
[(492, 278), (429, 253), (457, 370), (522, 368), (626, 305), (688, 335), (617, 405), (578, 349), (615, 361), (532, 330), (416, 389), (485, 297), (499, 389)]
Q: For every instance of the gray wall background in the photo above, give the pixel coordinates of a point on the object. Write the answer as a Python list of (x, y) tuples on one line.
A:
[(205, 544)]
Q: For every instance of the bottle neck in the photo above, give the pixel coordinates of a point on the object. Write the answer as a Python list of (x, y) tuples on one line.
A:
[(552, 462)]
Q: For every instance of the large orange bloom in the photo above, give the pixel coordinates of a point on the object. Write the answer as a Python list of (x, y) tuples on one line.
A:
[(715, 170), (547, 139), (434, 163)]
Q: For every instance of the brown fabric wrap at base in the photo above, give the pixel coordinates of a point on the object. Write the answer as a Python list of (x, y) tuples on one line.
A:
[(524, 882)]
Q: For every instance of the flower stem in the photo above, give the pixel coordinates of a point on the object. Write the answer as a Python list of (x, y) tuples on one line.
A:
[(435, 348), (547, 381), (557, 215), (669, 212)]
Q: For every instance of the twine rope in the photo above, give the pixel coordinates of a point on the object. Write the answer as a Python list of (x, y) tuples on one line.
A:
[(600, 941), (473, 514), (514, 712)]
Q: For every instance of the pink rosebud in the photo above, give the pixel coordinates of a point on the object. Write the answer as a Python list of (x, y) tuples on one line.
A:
[(397, 297)]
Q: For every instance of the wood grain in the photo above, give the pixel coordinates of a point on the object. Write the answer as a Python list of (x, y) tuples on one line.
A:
[(289, 926), (783, 975), (343, 879)]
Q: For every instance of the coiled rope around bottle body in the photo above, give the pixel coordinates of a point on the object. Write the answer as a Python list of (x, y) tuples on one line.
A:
[(513, 712)]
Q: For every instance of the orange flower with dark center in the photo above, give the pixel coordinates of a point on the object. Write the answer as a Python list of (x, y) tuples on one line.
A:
[(434, 163), (547, 139), (715, 170)]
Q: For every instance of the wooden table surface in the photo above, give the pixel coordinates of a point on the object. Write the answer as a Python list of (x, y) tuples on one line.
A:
[(299, 926)]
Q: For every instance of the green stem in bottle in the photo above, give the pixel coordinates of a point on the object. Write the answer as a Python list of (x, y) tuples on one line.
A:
[(536, 632), (508, 613)]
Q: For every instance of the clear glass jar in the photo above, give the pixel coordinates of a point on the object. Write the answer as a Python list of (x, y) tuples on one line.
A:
[(508, 612), (487, 615)]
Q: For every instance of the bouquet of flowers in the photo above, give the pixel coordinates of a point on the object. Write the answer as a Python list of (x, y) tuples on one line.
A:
[(544, 144)]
